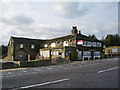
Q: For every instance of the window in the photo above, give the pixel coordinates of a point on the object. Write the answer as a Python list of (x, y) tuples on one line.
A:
[(21, 45), (10, 43), (46, 45), (86, 53), (96, 53), (99, 44), (20, 55), (84, 43), (45, 53), (32, 46), (65, 43), (53, 45), (94, 44)]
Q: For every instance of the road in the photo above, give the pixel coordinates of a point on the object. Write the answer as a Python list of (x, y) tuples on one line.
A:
[(86, 74)]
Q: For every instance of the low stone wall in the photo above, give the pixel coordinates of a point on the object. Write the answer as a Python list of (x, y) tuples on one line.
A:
[(9, 65), (6, 64), (38, 63)]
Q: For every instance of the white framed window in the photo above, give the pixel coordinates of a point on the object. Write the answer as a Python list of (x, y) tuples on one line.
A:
[(65, 43), (21, 45), (53, 45), (96, 53), (86, 53), (45, 45), (10, 42), (99, 44), (94, 44), (84, 43), (45, 53), (32, 46), (20, 55)]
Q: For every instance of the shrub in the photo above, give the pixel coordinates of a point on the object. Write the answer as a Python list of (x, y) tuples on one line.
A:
[(75, 56)]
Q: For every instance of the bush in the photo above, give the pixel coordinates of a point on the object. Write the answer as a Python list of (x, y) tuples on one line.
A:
[(75, 56)]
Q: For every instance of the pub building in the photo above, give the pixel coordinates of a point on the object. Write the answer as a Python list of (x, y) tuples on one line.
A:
[(75, 46), (72, 47)]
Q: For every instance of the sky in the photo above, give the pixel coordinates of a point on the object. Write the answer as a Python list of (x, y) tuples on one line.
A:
[(46, 20)]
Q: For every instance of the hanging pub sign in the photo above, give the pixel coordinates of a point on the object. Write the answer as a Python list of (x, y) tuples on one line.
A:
[(79, 42)]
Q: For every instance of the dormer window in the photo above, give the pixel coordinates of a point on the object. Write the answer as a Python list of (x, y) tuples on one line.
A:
[(65, 43), (32, 46), (46, 45), (53, 45), (21, 45)]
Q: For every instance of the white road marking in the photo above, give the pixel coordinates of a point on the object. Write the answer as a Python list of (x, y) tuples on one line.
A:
[(9, 73), (37, 69), (33, 72), (107, 70), (46, 83), (18, 74), (49, 68), (67, 68), (24, 71)]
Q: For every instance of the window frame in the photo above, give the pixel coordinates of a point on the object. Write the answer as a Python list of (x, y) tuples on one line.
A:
[(21, 45), (32, 46)]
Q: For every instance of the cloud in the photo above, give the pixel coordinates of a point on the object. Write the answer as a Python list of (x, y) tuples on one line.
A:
[(71, 10), (110, 27), (40, 31), (11, 18)]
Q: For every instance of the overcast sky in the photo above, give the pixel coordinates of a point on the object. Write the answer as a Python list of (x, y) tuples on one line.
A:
[(45, 20)]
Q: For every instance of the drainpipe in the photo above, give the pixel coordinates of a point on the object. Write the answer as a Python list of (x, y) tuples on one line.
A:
[(50, 55)]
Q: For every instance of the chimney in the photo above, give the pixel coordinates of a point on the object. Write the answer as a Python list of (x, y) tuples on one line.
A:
[(74, 30), (79, 32)]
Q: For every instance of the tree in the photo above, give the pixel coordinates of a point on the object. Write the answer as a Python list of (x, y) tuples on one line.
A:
[(4, 50), (92, 36), (112, 40)]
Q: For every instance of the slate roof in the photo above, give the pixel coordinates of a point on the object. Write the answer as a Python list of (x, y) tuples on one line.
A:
[(39, 41), (78, 37), (83, 37), (62, 38), (27, 40)]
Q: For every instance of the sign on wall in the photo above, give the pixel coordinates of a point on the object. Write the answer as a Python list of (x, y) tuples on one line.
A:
[(88, 43), (115, 50), (79, 42)]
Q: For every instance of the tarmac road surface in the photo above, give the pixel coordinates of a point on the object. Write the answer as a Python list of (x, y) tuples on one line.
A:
[(101, 73)]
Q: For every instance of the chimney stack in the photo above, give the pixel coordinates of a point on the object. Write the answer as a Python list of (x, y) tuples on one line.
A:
[(79, 32), (74, 30)]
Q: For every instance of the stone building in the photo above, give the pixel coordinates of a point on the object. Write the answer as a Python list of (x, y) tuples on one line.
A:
[(74, 46), (112, 50), (24, 48), (70, 47)]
